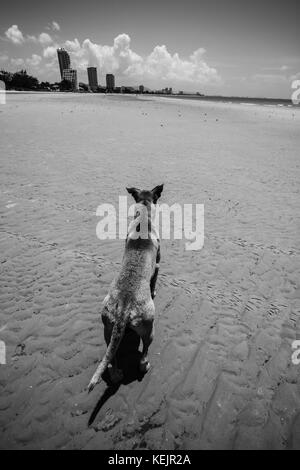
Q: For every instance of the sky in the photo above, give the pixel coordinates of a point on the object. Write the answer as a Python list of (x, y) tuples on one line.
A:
[(225, 47)]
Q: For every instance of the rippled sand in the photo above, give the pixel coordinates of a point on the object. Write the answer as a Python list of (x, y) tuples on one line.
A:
[(226, 316)]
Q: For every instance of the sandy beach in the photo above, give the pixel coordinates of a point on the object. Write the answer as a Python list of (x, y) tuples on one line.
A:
[(221, 373)]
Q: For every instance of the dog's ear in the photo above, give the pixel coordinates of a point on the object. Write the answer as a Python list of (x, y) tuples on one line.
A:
[(134, 193), (157, 192)]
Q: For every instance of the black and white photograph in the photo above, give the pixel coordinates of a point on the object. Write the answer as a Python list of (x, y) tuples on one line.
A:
[(150, 227)]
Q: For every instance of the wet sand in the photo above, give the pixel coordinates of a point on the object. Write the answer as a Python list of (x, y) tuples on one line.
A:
[(226, 316)]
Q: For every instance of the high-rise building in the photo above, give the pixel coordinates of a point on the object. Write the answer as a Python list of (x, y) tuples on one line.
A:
[(92, 76), (71, 75), (63, 60), (110, 82)]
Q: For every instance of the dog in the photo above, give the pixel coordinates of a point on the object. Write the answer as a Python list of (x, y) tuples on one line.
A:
[(129, 302)]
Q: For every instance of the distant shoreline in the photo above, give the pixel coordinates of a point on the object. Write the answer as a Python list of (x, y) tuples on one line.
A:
[(235, 99), (215, 98)]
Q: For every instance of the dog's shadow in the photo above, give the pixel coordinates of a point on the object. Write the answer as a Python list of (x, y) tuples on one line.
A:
[(128, 359)]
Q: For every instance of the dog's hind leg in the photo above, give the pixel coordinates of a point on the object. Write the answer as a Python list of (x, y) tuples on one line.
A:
[(116, 374), (108, 327), (146, 333)]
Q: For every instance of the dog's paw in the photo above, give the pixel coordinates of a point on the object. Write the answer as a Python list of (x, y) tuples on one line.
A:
[(144, 365), (116, 375)]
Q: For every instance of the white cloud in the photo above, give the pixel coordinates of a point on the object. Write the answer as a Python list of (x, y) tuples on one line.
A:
[(73, 46), (159, 68), (17, 62), (50, 52), (34, 60), (55, 26), (51, 65), (31, 38), (160, 64), (14, 34), (45, 39), (171, 67)]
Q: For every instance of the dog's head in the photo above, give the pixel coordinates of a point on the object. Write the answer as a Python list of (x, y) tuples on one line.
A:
[(146, 197), (145, 206)]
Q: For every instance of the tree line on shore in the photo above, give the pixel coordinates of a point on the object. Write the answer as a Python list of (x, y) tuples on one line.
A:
[(21, 81)]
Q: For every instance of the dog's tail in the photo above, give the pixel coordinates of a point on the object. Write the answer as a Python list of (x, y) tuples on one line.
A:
[(116, 336)]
